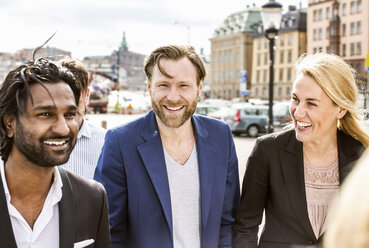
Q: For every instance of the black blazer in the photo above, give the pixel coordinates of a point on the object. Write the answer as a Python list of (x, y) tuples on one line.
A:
[(83, 214), (274, 181)]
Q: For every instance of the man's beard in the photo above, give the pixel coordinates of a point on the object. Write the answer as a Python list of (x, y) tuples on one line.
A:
[(33, 148), (173, 120)]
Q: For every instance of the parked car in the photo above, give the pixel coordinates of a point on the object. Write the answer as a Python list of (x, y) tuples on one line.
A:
[(249, 119), (225, 114), (206, 109), (281, 114)]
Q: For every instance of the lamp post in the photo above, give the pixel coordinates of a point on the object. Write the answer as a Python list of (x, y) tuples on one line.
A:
[(271, 14), (188, 30)]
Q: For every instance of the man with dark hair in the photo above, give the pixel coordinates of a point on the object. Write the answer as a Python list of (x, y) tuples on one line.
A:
[(171, 176), (41, 205), (90, 139)]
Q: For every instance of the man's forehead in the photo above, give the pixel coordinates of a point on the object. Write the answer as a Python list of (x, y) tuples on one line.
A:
[(47, 92)]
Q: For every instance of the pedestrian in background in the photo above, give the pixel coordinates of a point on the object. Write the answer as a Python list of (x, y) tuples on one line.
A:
[(41, 205), (348, 226), (171, 176), (293, 175), (90, 138)]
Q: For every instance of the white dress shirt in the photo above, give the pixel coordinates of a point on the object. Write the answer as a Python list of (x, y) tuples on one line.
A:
[(83, 159), (45, 232)]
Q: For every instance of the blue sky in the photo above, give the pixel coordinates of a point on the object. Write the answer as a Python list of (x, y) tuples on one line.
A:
[(91, 27)]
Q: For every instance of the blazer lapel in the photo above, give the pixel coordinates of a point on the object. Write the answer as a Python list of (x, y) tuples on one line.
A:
[(207, 154), (66, 212), (6, 231), (152, 155), (292, 164)]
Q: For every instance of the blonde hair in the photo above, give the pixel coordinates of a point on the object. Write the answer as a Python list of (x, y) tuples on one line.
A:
[(349, 223), (337, 80)]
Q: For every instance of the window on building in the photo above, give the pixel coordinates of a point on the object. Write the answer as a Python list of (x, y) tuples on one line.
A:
[(265, 75), (288, 91), (265, 58), (343, 49), (315, 34), (256, 91), (358, 68), (358, 27), (352, 9), (320, 14), (315, 15), (281, 41), (328, 13), (214, 75), (320, 33), (281, 75), (281, 57), (352, 31), (344, 29), (238, 56), (279, 91), (220, 58), (259, 44), (258, 76), (289, 74), (264, 91), (352, 51), (344, 9), (358, 48), (327, 33), (258, 59), (266, 43), (290, 39), (231, 75), (214, 59), (290, 22), (359, 8)]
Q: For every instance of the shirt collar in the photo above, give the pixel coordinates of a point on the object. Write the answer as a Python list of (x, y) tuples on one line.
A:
[(55, 187), (85, 130)]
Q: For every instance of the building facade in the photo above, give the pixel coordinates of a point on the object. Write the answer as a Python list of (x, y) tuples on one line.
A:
[(341, 27), (289, 45), (132, 63), (231, 53)]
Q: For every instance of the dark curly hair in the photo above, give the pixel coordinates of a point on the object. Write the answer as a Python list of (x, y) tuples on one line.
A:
[(15, 91)]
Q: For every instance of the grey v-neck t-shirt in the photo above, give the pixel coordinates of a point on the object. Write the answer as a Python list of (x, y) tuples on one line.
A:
[(184, 186)]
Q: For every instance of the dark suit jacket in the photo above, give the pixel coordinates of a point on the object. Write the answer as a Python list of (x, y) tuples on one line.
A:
[(83, 214), (132, 169), (274, 181)]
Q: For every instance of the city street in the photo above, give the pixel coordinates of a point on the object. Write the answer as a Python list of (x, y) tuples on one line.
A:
[(243, 144)]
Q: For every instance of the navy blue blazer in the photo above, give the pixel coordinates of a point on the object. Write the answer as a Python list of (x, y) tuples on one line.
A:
[(132, 169)]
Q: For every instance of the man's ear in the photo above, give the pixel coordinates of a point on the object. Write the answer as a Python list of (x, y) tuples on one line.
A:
[(148, 85), (87, 96), (9, 122)]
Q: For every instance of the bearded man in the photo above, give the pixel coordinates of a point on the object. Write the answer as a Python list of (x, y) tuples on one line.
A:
[(42, 205), (171, 176)]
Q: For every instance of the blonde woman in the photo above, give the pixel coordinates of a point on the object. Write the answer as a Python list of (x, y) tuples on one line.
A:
[(293, 175), (349, 222)]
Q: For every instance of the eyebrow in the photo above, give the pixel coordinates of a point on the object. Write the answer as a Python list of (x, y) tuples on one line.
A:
[(52, 107), (308, 99)]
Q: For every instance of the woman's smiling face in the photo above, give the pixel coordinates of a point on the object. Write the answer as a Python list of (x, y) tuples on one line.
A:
[(314, 114)]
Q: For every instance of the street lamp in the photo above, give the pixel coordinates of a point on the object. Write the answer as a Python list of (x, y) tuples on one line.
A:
[(188, 30), (271, 14)]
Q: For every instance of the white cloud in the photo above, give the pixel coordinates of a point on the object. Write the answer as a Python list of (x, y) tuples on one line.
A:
[(95, 27)]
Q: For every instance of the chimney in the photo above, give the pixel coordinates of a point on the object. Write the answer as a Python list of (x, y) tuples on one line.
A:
[(291, 7)]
